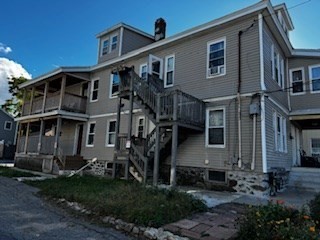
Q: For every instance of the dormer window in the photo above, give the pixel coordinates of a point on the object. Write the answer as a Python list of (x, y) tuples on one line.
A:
[(114, 42), (105, 47)]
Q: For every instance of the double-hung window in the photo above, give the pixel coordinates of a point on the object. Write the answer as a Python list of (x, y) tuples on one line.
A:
[(114, 42), (216, 58), (94, 90), (215, 127), (169, 71), (114, 85), (297, 81), (90, 134), (315, 147), (105, 47), (314, 75), (280, 132), (7, 125), (111, 133), (144, 71), (277, 65)]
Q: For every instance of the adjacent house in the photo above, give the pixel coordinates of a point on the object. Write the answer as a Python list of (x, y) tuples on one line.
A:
[(228, 102), (7, 135)]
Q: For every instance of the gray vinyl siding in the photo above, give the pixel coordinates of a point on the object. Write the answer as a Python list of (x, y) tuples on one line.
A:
[(100, 150), (307, 100), (109, 55), (7, 135), (132, 41), (275, 158), (193, 152), (271, 84)]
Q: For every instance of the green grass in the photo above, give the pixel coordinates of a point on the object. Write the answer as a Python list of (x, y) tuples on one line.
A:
[(12, 173), (130, 201)]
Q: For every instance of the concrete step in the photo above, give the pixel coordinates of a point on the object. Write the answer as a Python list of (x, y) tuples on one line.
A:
[(307, 179)]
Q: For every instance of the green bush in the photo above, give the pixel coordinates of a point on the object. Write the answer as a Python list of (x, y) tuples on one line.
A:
[(277, 222), (314, 206)]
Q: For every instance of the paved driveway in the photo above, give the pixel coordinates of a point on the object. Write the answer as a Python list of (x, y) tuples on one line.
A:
[(25, 216)]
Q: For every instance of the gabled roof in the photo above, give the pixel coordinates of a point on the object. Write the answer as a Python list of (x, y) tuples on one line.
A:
[(124, 25), (5, 112), (225, 19), (54, 72), (287, 16)]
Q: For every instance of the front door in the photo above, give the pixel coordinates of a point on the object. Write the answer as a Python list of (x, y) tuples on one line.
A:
[(78, 139)]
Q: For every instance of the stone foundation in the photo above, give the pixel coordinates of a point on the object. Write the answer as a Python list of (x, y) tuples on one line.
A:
[(97, 168), (248, 182)]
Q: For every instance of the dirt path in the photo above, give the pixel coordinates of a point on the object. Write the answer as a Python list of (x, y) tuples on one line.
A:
[(25, 216)]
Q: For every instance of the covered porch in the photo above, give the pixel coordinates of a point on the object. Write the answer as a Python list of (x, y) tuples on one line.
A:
[(305, 136), (45, 144)]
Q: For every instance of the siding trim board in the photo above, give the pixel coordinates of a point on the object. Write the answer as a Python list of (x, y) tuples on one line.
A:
[(114, 114), (263, 135), (262, 83)]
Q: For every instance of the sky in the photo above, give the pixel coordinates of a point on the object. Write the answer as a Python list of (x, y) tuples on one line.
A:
[(38, 36)]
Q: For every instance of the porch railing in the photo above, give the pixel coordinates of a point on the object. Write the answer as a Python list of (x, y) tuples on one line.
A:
[(47, 145), (71, 102), (33, 142)]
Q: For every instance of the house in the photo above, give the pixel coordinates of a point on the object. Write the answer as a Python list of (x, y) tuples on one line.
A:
[(7, 135), (228, 102)]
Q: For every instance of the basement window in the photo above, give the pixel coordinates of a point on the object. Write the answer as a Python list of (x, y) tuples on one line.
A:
[(217, 176)]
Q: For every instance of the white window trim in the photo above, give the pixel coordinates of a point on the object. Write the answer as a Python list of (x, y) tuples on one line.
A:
[(140, 68), (107, 132), (311, 149), (144, 126), (281, 72), (110, 43), (273, 63), (101, 48), (88, 129), (110, 87), (91, 89), (291, 81), (166, 69), (208, 55), (207, 128), (153, 59), (310, 77), (283, 132), (5, 124)]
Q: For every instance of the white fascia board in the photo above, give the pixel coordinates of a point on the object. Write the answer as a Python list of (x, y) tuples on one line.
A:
[(64, 114), (306, 52), (52, 73), (283, 6), (277, 23), (119, 25), (243, 12)]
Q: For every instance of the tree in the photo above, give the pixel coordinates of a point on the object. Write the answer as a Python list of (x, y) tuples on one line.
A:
[(14, 104)]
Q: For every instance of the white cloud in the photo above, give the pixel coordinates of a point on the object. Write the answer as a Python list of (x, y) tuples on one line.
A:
[(8, 69), (5, 49)]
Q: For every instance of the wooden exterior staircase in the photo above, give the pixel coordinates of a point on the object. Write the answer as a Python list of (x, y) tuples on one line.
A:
[(174, 114)]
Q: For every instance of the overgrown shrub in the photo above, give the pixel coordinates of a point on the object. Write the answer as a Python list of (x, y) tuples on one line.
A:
[(314, 206), (277, 222)]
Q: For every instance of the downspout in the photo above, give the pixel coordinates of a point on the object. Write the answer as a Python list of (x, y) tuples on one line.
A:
[(239, 102), (262, 99), (254, 133)]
